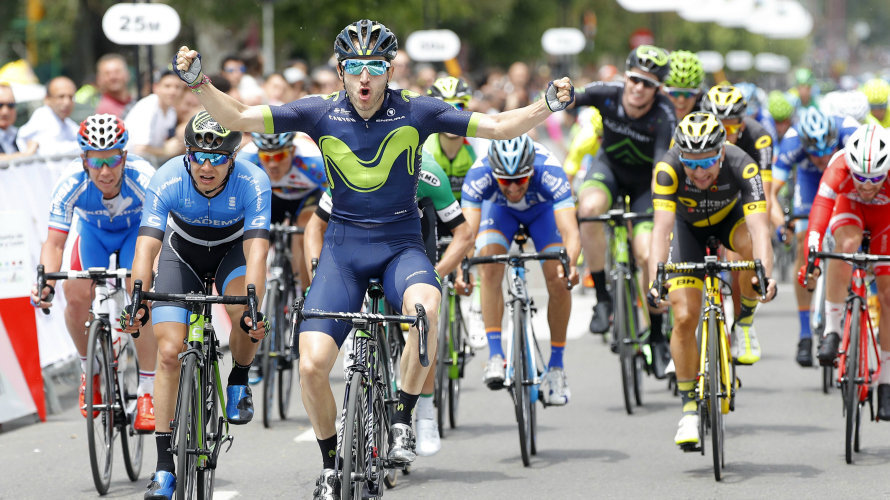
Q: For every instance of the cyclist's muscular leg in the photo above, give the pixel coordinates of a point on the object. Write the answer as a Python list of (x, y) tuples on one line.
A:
[(559, 303), (491, 294), (243, 350), (686, 304), (884, 298), (318, 353), (170, 336), (593, 201), (79, 297), (802, 295), (846, 240), (413, 373)]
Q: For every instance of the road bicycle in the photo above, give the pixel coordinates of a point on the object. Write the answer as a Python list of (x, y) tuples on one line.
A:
[(111, 360), (199, 427), (525, 363), (371, 394), (716, 380), (275, 355), (630, 319), (859, 361)]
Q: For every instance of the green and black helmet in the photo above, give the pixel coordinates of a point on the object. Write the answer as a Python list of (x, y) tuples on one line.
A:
[(650, 58), (450, 88), (204, 132)]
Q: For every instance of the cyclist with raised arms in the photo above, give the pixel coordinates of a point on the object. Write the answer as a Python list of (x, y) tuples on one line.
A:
[(703, 187), (105, 187), (683, 85), (205, 213), (854, 196), (370, 137), (520, 181), (637, 125), (808, 146)]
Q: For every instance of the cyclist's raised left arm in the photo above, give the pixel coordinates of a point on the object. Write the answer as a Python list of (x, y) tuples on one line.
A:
[(513, 123)]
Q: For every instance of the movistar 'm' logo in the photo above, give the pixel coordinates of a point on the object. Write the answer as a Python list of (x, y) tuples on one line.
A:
[(368, 175)]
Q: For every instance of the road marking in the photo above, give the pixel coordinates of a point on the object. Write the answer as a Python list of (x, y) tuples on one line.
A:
[(224, 495), (307, 436)]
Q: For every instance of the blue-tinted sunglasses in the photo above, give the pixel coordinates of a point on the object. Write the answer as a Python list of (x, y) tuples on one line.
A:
[(215, 159), (677, 92), (111, 162), (873, 180), (820, 152), (458, 105), (376, 67), (704, 163)]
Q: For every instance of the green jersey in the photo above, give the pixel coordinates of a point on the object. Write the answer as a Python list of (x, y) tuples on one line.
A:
[(456, 169)]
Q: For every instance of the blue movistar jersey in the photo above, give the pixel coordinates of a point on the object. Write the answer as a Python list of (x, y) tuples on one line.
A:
[(547, 185), (242, 208), (372, 165), (792, 152), (75, 193)]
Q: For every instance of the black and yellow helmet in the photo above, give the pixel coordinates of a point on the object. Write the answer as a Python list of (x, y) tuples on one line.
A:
[(204, 132), (450, 88), (699, 132), (366, 38), (724, 101)]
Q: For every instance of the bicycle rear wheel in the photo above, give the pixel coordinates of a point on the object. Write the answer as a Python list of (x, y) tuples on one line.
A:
[(620, 326), (443, 355), (521, 397), (285, 354), (128, 382), (213, 430), (850, 388), (100, 418), (352, 446), (715, 390), (456, 370), (185, 443)]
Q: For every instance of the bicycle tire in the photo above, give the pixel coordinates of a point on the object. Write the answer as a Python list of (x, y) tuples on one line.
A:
[(100, 422), (443, 355), (186, 439), (386, 393), (851, 371), (715, 388), (456, 371), (270, 358), (625, 356), (633, 332), (352, 448), (128, 383), (521, 398), (286, 356), (206, 472), (827, 379)]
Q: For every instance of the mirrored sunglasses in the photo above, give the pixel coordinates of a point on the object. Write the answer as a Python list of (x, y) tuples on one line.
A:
[(215, 159), (820, 152), (862, 179), (520, 181), (637, 78), (376, 67), (677, 92), (704, 163), (110, 162), (272, 156)]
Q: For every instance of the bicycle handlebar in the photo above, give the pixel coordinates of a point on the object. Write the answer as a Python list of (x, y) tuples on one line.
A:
[(711, 267), (285, 229), (516, 258), (616, 215), (853, 258)]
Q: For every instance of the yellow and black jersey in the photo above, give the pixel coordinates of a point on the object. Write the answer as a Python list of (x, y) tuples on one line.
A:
[(739, 181), (757, 142)]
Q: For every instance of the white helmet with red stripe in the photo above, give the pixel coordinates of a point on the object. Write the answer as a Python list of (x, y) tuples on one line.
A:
[(868, 150)]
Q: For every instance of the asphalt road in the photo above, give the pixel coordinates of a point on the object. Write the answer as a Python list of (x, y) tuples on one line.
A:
[(785, 439)]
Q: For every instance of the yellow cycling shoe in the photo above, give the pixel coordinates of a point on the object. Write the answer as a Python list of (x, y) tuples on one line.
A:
[(744, 348)]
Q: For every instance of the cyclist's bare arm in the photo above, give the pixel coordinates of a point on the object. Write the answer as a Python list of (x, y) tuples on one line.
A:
[(313, 239), (758, 226), (147, 250), (777, 214), (662, 225), (473, 217), (227, 110), (513, 123), (255, 252), (51, 258), (567, 224), (462, 241)]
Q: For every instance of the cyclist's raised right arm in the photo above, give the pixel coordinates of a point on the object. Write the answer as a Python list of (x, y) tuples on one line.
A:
[(227, 110)]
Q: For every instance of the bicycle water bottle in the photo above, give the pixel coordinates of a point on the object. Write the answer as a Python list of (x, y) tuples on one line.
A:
[(196, 328)]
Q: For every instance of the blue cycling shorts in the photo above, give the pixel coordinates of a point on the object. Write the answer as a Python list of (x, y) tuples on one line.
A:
[(353, 254), (94, 246), (499, 224)]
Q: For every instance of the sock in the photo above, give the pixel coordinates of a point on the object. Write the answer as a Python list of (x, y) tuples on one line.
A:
[(686, 388), (804, 315), (655, 333), (425, 408), (165, 454), (556, 350), (83, 364), (238, 375), (884, 376), (599, 284), (328, 451), (834, 317), (494, 342), (746, 315), (146, 383), (405, 408)]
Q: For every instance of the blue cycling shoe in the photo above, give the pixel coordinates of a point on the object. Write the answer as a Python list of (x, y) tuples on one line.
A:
[(239, 404), (162, 486)]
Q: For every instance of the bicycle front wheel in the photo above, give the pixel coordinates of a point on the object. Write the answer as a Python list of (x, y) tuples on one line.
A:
[(269, 356), (849, 387), (212, 434), (443, 353), (521, 388), (715, 392), (128, 382), (100, 414), (285, 354), (621, 327), (456, 369), (352, 446), (186, 442)]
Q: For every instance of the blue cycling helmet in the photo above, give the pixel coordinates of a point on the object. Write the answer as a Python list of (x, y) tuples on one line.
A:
[(102, 133), (512, 158), (273, 142), (753, 96), (818, 132)]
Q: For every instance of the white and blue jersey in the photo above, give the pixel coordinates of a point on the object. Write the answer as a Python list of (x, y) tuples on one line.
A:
[(792, 153), (105, 225), (305, 176), (548, 191)]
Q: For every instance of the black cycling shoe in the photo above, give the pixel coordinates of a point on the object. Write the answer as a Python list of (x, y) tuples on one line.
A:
[(661, 356), (805, 352), (884, 402), (602, 317), (828, 348)]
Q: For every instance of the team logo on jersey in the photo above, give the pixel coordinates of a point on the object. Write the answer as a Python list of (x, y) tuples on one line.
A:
[(390, 112), (232, 202), (368, 175), (430, 178)]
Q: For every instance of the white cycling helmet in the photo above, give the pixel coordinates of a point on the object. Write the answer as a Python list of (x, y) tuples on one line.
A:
[(868, 150), (852, 103)]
